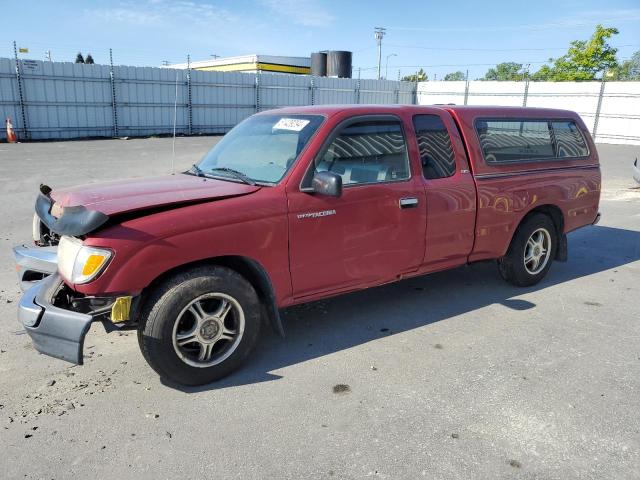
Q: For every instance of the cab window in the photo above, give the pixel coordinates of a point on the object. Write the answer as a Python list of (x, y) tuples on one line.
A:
[(434, 143), (367, 152)]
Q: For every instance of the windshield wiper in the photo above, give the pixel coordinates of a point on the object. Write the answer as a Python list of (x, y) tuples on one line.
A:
[(196, 170), (237, 174)]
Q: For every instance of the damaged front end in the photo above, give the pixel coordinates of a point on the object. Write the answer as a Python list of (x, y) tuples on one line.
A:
[(54, 331), (33, 263), (57, 318)]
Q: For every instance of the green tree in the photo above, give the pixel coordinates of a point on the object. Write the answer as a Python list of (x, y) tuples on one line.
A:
[(79, 58), (421, 76), (89, 59), (629, 69), (454, 76), (505, 71), (585, 60), (545, 73)]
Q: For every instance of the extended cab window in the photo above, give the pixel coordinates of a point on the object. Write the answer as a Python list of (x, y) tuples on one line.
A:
[(506, 141), (367, 152), (513, 141), (569, 140), (434, 143)]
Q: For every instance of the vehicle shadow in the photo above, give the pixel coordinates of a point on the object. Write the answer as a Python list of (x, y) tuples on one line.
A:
[(328, 326)]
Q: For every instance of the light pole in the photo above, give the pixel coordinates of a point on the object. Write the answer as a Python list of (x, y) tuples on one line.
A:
[(386, 65), (379, 33)]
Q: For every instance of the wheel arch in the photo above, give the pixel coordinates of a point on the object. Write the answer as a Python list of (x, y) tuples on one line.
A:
[(250, 269), (557, 217)]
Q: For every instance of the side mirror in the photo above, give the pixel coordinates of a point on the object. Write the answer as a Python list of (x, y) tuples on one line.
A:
[(327, 183)]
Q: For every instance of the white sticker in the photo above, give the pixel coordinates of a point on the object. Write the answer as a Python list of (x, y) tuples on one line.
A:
[(293, 124)]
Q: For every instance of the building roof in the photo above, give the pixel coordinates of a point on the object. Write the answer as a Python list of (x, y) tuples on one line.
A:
[(246, 59)]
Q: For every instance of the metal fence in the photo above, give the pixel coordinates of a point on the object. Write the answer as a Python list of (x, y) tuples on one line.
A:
[(53, 100), (56, 100), (611, 110)]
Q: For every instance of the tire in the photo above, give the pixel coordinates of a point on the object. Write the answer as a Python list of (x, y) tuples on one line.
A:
[(514, 266), (200, 325)]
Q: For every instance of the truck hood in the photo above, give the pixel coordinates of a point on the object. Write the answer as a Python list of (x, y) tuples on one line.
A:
[(123, 196)]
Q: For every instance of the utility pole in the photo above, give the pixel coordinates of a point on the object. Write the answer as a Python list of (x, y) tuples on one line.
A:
[(47, 55), (379, 33)]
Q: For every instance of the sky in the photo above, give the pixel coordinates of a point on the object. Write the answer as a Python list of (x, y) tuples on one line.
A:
[(440, 37)]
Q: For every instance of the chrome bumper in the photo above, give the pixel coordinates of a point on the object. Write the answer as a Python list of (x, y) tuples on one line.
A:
[(54, 331), (34, 263)]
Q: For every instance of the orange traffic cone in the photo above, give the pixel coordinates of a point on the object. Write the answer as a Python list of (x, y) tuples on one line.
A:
[(11, 135)]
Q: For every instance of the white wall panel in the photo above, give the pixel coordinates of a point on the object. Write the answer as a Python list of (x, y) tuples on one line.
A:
[(619, 118)]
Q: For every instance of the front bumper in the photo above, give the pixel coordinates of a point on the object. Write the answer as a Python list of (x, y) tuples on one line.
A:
[(54, 331), (34, 264)]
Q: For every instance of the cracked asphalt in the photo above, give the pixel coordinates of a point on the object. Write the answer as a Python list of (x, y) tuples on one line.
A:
[(455, 375)]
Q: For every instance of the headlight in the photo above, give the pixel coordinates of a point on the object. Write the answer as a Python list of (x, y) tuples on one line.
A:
[(78, 263)]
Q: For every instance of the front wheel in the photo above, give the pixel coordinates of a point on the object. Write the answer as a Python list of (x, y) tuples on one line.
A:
[(531, 252), (199, 325)]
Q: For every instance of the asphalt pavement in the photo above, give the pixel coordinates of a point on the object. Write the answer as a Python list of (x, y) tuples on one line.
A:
[(456, 375)]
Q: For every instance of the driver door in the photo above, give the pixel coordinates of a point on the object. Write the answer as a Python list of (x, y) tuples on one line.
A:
[(375, 231)]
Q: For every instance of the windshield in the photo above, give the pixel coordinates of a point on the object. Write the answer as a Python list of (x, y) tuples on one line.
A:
[(260, 149)]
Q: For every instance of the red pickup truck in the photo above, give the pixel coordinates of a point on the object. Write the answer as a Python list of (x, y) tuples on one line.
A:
[(298, 204)]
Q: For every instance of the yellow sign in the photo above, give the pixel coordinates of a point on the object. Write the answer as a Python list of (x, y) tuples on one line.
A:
[(23, 50)]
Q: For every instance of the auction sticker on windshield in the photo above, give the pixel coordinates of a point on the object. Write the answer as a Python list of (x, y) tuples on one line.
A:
[(293, 124)]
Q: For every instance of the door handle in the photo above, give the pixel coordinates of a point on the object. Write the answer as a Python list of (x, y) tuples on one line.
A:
[(408, 202)]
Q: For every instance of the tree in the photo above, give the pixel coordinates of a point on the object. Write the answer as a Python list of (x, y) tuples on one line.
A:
[(629, 69), (421, 76), (89, 59), (79, 58), (454, 76), (545, 73), (584, 60), (505, 71)]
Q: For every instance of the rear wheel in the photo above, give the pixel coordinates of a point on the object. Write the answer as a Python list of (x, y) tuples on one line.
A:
[(200, 325), (531, 252)]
